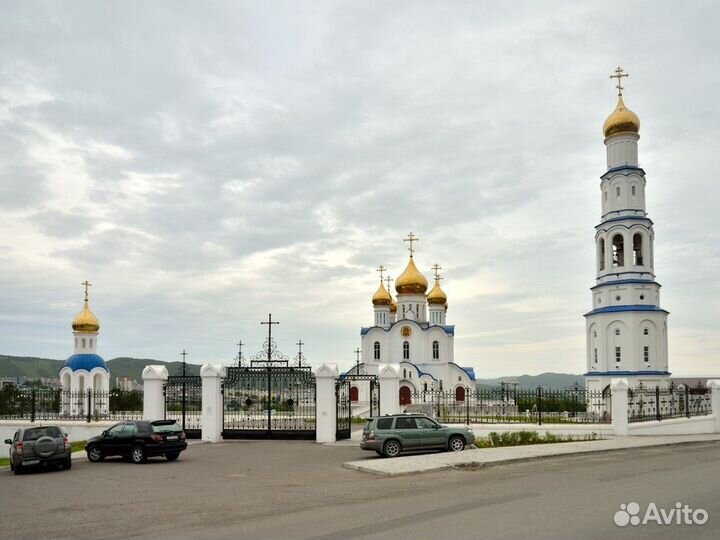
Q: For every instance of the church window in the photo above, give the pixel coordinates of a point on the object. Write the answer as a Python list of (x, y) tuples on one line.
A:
[(595, 354), (91, 343), (605, 193), (617, 191), (424, 387), (83, 343), (76, 342), (646, 332), (618, 298), (617, 331), (637, 249), (602, 254), (618, 250), (633, 191), (594, 333), (403, 310), (642, 297), (376, 347), (404, 373), (436, 350), (618, 354), (646, 353), (406, 350)]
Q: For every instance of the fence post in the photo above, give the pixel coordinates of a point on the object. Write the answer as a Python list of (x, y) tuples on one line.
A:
[(467, 405), (154, 378), (619, 400), (687, 401), (326, 402), (32, 405), (658, 415), (714, 386), (539, 405), (389, 375), (212, 401), (89, 405)]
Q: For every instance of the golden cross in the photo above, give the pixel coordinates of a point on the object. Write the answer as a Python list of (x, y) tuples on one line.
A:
[(619, 73), (87, 284), (381, 270), (411, 238), (436, 269), (388, 280)]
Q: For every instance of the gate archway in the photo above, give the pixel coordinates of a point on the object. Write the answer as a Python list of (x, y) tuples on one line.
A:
[(347, 399)]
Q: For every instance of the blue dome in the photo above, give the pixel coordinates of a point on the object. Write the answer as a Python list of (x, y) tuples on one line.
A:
[(86, 362)]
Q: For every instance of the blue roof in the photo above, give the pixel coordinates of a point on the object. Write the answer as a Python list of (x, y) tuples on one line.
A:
[(619, 372), (86, 362), (631, 307)]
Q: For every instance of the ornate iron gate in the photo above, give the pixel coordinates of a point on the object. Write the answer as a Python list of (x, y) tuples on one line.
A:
[(183, 403), (347, 409), (270, 399)]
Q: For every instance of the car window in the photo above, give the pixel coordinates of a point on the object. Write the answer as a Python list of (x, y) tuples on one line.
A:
[(35, 433), (129, 430), (425, 423), (405, 423), (116, 430), (384, 423), (166, 428)]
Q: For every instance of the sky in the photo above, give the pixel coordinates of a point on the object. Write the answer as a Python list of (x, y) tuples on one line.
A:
[(204, 164)]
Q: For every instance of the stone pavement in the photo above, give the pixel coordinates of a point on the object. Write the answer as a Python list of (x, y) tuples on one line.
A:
[(474, 457)]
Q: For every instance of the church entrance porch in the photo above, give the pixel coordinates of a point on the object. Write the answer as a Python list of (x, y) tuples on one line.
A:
[(405, 395)]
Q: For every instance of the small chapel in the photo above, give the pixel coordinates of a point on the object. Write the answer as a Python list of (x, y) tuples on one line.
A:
[(413, 331)]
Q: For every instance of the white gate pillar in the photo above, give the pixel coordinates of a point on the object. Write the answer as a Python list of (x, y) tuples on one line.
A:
[(326, 413), (389, 375), (154, 378), (212, 402), (714, 386), (619, 398)]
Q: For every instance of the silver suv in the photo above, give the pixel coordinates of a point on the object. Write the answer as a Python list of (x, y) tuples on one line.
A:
[(46, 445)]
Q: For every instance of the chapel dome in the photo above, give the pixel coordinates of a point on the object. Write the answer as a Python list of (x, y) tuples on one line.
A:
[(621, 120), (85, 321), (381, 297), (411, 281), (437, 295), (85, 362)]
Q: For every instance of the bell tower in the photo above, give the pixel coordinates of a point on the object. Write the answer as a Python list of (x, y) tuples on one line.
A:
[(626, 330)]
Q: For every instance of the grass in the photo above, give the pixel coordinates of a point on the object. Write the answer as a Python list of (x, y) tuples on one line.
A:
[(74, 447), (521, 438)]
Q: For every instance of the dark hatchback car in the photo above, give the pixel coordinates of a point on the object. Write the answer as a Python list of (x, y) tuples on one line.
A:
[(138, 440), (46, 445)]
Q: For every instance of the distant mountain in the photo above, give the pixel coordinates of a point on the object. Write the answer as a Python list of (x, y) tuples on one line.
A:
[(546, 380), (31, 367)]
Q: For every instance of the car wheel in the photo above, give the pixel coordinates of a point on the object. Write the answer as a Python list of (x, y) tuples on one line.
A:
[(137, 455), (94, 454), (172, 456), (456, 444), (391, 449), (68, 464)]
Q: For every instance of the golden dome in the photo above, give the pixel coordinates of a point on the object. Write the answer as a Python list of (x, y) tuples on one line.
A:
[(381, 296), (85, 321), (393, 307), (411, 281), (622, 120), (437, 295)]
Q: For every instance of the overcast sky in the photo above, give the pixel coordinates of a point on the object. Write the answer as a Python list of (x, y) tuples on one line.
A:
[(204, 164)]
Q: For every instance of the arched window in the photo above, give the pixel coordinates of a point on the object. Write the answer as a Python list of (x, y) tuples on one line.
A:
[(83, 343), (406, 350), (376, 347), (618, 250), (436, 350), (424, 387), (404, 373), (646, 332), (637, 249), (91, 343), (633, 191), (605, 194), (617, 191), (601, 254)]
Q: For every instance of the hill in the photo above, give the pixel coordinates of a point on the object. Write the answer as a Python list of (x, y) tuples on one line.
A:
[(32, 367), (546, 380)]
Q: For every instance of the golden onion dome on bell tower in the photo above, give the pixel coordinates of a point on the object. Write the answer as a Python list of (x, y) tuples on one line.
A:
[(437, 295), (411, 281), (85, 321), (622, 119), (382, 296)]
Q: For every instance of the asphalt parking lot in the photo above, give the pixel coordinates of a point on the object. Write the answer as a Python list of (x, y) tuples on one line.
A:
[(288, 490)]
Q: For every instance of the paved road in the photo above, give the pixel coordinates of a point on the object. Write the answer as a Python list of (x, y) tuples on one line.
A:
[(297, 490)]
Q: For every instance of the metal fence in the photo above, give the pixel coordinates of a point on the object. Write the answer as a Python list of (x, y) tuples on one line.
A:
[(661, 402), (514, 405), (33, 404)]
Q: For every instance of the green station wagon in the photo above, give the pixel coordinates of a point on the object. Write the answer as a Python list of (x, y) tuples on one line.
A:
[(391, 434)]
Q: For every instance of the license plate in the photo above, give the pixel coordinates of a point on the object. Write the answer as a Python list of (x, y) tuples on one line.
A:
[(172, 438), (31, 462)]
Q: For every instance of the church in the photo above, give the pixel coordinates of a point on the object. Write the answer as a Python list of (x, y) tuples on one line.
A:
[(626, 330), (413, 332)]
